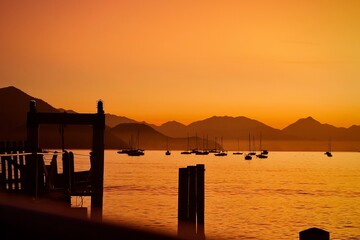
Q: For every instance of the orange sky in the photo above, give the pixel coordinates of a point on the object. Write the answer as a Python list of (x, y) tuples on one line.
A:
[(154, 61)]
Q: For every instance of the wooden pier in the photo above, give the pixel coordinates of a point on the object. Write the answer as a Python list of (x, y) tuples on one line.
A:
[(23, 170)]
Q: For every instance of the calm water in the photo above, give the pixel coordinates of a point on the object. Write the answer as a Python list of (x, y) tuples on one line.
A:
[(271, 198)]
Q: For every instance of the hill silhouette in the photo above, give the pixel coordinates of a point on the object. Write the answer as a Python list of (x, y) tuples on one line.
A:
[(14, 105), (304, 134)]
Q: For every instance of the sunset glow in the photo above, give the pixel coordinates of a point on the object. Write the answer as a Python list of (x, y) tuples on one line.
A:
[(156, 61)]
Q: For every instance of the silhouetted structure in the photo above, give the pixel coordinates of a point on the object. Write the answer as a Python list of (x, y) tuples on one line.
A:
[(23, 169), (191, 202), (314, 234)]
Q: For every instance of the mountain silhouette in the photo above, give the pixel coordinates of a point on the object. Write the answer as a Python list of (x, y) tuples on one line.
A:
[(14, 105), (112, 120), (311, 129), (304, 134), (173, 129)]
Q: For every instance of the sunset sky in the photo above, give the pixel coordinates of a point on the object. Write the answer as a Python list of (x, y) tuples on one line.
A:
[(155, 61)]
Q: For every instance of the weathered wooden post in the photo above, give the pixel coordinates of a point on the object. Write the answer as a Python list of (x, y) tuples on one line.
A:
[(200, 200), (32, 160), (314, 234), (183, 194), (3, 168), (191, 202), (9, 168), (97, 165), (183, 202), (15, 166), (66, 176)]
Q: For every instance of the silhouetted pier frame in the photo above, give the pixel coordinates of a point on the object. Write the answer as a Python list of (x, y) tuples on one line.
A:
[(23, 169)]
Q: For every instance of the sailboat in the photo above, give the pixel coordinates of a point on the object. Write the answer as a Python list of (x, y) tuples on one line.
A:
[(132, 151), (237, 153), (222, 152), (204, 150), (248, 155), (263, 153), (167, 147), (328, 152), (187, 149)]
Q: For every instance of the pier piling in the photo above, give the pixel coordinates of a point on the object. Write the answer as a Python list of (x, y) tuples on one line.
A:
[(191, 201)]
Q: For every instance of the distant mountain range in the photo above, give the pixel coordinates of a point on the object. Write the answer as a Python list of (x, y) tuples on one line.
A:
[(304, 134)]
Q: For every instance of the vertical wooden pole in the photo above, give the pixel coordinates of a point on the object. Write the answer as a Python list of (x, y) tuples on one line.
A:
[(33, 144), (200, 200), (183, 202), (21, 166), (16, 166), (9, 167), (3, 168), (66, 176), (71, 169), (192, 201), (98, 164), (192, 193), (183, 194)]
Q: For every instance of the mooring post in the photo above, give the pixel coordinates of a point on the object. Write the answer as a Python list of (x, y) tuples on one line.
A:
[(191, 201), (183, 194), (314, 234), (97, 167), (183, 203), (192, 193), (200, 200)]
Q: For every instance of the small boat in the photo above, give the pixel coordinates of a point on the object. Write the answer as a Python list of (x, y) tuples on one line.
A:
[(263, 151), (202, 152), (136, 152), (186, 152), (261, 155), (221, 153), (238, 152), (167, 147), (248, 157), (328, 152)]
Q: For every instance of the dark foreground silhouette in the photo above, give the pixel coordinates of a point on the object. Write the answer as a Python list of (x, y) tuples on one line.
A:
[(28, 218)]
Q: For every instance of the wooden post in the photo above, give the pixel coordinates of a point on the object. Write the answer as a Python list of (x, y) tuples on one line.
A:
[(71, 170), (9, 168), (183, 203), (3, 168), (21, 166), (66, 176), (31, 161), (314, 234), (183, 194), (15, 166), (192, 194), (98, 164), (200, 200)]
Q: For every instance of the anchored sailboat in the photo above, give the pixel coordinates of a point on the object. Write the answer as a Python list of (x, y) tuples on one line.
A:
[(328, 152)]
